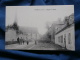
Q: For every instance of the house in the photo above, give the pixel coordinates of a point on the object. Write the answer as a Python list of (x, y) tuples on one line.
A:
[(65, 34), (11, 35)]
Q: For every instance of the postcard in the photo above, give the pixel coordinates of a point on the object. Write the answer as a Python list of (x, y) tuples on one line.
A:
[(40, 27)]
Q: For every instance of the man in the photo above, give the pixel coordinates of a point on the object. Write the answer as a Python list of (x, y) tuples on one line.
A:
[(35, 42), (27, 42), (18, 40)]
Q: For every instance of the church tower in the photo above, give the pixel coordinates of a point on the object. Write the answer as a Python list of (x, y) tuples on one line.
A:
[(15, 24)]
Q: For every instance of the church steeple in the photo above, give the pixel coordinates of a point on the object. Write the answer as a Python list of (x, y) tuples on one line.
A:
[(15, 25), (16, 20)]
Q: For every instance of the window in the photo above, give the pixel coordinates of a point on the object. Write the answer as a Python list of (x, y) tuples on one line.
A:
[(59, 39), (62, 39), (69, 38)]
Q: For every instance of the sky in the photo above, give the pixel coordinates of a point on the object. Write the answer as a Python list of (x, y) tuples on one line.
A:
[(37, 16)]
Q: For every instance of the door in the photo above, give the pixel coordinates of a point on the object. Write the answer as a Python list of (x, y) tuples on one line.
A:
[(65, 41)]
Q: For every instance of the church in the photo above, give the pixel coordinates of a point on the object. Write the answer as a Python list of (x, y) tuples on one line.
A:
[(11, 33)]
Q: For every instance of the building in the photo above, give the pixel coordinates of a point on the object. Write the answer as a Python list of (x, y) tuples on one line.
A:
[(65, 34), (11, 33), (29, 33), (51, 31)]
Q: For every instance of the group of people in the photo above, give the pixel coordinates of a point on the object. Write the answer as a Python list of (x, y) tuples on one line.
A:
[(20, 40)]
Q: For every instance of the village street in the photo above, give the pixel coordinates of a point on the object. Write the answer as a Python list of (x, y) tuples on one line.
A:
[(45, 46), (33, 46), (19, 46)]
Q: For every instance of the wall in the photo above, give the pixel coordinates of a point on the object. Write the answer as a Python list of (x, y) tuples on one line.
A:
[(67, 31), (10, 35)]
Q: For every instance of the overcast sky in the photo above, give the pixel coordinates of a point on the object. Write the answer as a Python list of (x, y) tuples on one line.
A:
[(37, 16)]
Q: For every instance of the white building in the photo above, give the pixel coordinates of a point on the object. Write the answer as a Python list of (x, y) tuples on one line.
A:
[(65, 34), (11, 32), (11, 35)]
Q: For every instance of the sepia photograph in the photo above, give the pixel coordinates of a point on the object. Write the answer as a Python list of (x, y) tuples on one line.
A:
[(40, 28)]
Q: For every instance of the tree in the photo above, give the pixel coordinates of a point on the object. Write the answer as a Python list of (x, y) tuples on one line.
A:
[(66, 21), (15, 26)]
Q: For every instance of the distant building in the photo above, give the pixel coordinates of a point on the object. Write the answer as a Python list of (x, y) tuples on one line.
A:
[(65, 34), (29, 33), (52, 30)]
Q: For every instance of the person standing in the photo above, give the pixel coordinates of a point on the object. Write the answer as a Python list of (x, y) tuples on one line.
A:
[(27, 42), (35, 42), (21, 41), (18, 40)]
